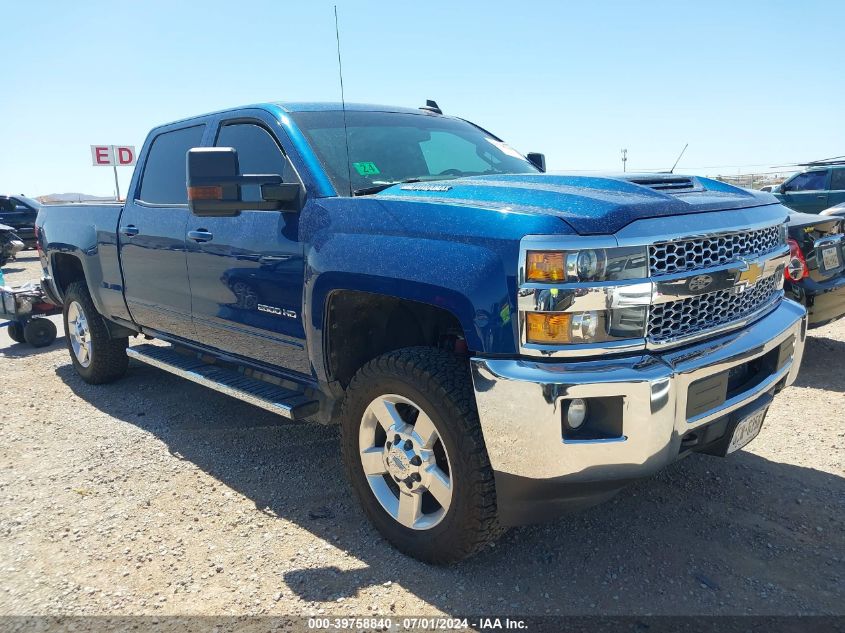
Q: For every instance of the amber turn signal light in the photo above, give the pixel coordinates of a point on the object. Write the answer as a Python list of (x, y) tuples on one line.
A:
[(205, 193), (545, 266), (548, 327)]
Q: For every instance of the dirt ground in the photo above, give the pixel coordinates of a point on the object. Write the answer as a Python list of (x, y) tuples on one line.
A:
[(156, 496)]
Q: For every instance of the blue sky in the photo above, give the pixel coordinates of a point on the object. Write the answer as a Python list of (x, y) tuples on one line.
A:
[(748, 84)]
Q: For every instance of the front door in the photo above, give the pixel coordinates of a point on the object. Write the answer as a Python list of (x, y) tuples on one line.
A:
[(151, 235), (807, 192), (247, 271)]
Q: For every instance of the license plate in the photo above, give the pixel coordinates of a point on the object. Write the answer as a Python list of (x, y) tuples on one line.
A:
[(830, 258), (747, 430)]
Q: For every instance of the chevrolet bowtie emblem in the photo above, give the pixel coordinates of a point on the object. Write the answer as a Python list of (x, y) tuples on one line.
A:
[(750, 275)]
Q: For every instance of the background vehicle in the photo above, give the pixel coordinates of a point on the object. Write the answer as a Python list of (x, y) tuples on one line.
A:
[(818, 187), (20, 212), (10, 244), (21, 308), (839, 210), (815, 275), (499, 345)]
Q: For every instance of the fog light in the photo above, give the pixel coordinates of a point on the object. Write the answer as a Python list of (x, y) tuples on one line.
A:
[(576, 413)]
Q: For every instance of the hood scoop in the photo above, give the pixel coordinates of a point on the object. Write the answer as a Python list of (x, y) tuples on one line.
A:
[(667, 183)]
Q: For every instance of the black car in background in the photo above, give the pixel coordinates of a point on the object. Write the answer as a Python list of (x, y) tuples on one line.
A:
[(19, 212), (815, 275), (10, 244)]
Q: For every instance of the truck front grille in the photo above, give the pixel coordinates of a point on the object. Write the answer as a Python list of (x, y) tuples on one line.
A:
[(688, 316), (678, 256)]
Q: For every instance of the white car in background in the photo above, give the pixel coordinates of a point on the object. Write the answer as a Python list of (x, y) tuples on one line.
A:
[(838, 209)]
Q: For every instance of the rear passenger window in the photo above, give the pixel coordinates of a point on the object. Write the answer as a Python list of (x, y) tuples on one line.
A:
[(837, 179), (164, 176), (258, 153)]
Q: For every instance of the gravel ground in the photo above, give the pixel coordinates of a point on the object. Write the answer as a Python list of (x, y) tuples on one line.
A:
[(156, 496)]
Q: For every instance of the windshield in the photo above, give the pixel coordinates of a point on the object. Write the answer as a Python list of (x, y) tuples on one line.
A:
[(389, 147), (29, 201)]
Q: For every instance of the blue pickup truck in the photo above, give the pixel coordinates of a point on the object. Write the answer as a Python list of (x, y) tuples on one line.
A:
[(499, 345)]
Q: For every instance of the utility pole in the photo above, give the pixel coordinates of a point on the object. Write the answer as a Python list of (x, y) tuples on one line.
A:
[(624, 160)]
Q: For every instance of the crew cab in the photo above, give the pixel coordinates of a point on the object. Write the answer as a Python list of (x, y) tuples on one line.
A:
[(498, 344)]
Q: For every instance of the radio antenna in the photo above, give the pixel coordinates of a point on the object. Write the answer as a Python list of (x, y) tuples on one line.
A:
[(342, 100), (672, 171)]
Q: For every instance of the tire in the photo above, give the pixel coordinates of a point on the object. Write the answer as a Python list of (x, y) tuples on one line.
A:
[(39, 332), (437, 384), (16, 332), (104, 358)]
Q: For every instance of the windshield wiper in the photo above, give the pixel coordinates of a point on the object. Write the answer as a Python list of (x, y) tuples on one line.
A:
[(366, 191)]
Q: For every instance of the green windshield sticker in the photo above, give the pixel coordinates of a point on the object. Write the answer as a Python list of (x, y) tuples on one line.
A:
[(366, 169)]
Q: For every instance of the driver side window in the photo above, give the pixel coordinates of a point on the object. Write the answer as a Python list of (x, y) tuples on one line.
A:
[(258, 153), (809, 181)]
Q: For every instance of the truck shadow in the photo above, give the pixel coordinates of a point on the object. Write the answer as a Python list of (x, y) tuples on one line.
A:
[(823, 366), (10, 349), (722, 534)]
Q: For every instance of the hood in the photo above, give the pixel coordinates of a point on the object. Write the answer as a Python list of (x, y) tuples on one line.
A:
[(591, 205)]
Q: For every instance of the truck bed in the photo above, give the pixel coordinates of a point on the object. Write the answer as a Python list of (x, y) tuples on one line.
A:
[(86, 232)]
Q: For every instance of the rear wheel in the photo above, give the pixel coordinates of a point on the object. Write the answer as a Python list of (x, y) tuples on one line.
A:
[(415, 456), (39, 332), (97, 357)]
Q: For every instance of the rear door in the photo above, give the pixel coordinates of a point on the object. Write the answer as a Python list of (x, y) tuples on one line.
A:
[(807, 192), (151, 235), (836, 195), (247, 271)]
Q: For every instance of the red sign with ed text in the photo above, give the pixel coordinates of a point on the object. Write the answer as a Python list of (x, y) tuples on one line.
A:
[(108, 155)]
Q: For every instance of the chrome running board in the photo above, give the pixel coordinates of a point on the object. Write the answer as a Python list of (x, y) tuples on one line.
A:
[(291, 404)]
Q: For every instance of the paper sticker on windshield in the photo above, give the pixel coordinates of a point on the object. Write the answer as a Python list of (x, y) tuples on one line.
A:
[(505, 148), (366, 169)]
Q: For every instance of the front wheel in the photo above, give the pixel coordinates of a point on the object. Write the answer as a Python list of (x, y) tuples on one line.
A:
[(97, 357), (415, 456)]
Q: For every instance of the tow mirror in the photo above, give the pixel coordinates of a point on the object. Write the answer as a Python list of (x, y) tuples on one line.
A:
[(538, 160), (214, 185)]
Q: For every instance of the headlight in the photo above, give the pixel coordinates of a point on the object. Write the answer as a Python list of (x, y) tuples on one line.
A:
[(598, 264), (595, 326)]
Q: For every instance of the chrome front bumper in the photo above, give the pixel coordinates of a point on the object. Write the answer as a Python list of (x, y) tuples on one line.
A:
[(519, 405)]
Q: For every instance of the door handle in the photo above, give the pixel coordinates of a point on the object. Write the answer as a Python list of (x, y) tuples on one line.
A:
[(200, 235), (273, 259), (130, 230), (821, 197)]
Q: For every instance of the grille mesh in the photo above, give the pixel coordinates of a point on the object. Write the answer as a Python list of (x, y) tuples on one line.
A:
[(695, 314), (666, 258)]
